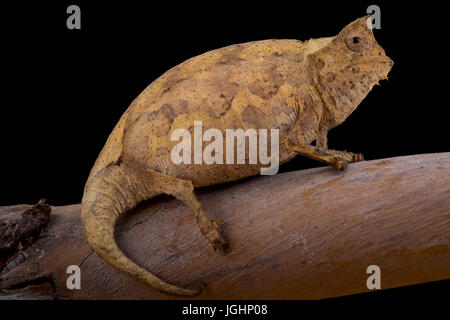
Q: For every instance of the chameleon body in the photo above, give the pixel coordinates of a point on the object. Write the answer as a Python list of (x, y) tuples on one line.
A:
[(304, 89)]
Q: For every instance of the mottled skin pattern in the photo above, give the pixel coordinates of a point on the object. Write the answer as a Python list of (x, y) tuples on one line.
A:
[(304, 89)]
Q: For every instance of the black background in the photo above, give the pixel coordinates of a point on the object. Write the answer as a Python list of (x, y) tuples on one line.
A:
[(64, 90)]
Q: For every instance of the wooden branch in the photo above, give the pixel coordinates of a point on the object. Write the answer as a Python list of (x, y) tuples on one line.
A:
[(298, 235)]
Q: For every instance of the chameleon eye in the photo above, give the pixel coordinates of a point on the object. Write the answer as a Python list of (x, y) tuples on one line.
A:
[(356, 42)]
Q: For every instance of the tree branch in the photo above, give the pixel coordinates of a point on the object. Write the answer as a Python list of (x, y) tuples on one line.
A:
[(298, 235)]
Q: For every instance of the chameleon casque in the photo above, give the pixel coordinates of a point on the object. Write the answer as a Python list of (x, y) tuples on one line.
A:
[(304, 89)]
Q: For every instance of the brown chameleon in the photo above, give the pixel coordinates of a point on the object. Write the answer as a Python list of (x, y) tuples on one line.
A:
[(304, 89)]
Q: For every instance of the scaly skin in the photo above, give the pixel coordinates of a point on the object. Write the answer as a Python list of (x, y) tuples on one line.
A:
[(304, 89)]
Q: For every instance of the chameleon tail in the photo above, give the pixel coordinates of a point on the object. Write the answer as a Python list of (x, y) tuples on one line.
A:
[(110, 194)]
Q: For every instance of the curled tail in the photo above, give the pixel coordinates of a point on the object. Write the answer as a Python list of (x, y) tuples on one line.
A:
[(111, 192)]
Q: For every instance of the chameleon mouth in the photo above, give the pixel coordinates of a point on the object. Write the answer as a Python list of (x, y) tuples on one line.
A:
[(383, 60), (389, 62), (381, 66)]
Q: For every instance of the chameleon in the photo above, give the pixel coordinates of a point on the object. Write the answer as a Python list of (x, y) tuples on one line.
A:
[(303, 89)]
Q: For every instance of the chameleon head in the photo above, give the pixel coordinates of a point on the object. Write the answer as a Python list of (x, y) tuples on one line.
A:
[(345, 68)]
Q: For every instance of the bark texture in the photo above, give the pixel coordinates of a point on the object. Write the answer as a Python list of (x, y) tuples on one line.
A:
[(299, 235)]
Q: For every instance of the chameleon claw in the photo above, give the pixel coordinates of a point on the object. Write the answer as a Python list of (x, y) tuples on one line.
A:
[(210, 230), (217, 223), (218, 243), (339, 163), (357, 157)]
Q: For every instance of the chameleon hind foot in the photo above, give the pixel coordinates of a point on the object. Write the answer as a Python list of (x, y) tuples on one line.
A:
[(184, 190), (210, 229)]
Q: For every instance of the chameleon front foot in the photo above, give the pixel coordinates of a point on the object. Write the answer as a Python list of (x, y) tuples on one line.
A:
[(334, 158), (349, 157), (341, 159), (339, 163)]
